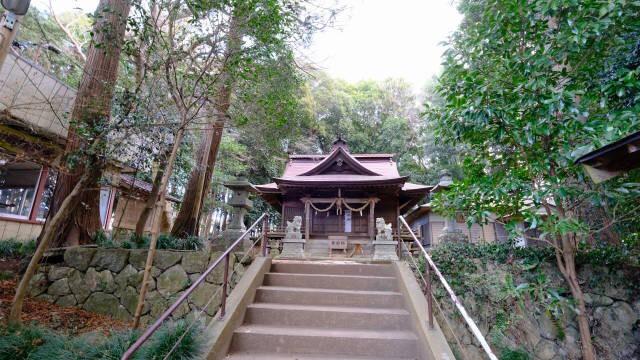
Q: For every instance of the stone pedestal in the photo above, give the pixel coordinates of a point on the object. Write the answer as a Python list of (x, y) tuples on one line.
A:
[(241, 205), (384, 247), (293, 243)]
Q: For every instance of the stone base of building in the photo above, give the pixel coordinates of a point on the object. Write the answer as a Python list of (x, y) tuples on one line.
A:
[(385, 250), (452, 236), (292, 249), (229, 236)]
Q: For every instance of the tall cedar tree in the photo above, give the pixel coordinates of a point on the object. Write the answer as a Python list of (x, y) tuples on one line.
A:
[(69, 220), (91, 112), (188, 218)]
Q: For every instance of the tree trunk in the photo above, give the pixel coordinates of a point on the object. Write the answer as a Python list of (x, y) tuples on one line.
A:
[(151, 200), (567, 265), (188, 218), (68, 206), (91, 110), (155, 228)]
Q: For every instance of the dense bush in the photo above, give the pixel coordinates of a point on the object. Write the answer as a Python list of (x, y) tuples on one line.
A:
[(35, 343), (169, 242), (165, 242), (12, 248)]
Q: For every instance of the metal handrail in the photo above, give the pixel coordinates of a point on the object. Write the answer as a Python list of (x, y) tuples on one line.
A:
[(472, 325), (154, 327)]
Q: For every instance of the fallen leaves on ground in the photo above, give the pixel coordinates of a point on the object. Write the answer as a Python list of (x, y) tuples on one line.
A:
[(70, 320)]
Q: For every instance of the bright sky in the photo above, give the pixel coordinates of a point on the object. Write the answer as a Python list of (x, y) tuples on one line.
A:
[(373, 39)]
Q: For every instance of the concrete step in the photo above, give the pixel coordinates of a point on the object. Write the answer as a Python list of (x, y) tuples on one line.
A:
[(330, 268), (285, 340), (329, 297), (327, 317), (267, 356), (321, 281)]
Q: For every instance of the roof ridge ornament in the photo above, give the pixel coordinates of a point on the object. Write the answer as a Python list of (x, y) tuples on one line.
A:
[(340, 143)]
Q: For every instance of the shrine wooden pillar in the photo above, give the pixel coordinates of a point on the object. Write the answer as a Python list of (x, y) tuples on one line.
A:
[(372, 220), (307, 220)]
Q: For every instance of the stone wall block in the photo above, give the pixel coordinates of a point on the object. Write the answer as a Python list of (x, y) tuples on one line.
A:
[(110, 259), (137, 280), (128, 298), (59, 272), (203, 293), (166, 259), (102, 303), (47, 298), (545, 350), (195, 262), (59, 287), (126, 276), (67, 300), (38, 284), (217, 275), (172, 280), (79, 286), (182, 310), (138, 258), (79, 257)]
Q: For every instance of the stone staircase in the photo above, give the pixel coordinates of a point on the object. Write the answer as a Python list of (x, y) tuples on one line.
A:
[(326, 310)]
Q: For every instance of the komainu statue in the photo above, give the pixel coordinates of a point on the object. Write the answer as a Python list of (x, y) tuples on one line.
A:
[(293, 227), (384, 248)]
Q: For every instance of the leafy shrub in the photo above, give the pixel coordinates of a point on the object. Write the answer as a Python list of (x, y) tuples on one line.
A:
[(103, 240), (36, 343), (508, 354), (169, 242), (19, 342), (140, 242), (12, 248), (163, 341), (114, 347)]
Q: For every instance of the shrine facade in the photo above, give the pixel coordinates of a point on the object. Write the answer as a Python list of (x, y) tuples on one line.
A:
[(339, 195)]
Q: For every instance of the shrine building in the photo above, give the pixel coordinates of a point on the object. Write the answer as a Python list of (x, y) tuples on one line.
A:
[(339, 195)]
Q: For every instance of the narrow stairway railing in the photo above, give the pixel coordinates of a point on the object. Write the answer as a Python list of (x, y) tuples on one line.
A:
[(225, 284), (430, 265)]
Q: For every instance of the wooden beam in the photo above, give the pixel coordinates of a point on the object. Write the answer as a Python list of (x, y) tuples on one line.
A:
[(372, 217), (306, 221)]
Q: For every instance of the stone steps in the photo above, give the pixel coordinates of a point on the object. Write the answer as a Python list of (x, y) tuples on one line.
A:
[(326, 310), (323, 281), (329, 297), (311, 340), (326, 317)]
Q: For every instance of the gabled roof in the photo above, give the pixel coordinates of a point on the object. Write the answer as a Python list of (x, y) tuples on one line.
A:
[(340, 168), (339, 161)]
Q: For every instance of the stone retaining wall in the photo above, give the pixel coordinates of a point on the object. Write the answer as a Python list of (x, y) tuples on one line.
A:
[(107, 281)]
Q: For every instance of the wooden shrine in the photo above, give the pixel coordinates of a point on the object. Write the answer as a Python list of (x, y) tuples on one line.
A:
[(339, 195)]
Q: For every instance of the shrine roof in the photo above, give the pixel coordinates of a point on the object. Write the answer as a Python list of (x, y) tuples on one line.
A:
[(341, 168), (380, 164)]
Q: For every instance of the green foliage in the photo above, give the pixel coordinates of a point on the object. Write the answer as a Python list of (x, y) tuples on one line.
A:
[(169, 242), (508, 354), (12, 248), (163, 341), (19, 342), (527, 88), (115, 346), (36, 343), (102, 239)]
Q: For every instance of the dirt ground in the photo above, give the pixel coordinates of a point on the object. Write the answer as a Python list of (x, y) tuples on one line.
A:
[(70, 320)]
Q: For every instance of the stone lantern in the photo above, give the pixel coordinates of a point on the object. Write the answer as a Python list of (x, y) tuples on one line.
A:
[(241, 204), (450, 232)]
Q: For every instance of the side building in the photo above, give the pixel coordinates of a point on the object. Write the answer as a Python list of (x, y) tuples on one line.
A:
[(35, 108)]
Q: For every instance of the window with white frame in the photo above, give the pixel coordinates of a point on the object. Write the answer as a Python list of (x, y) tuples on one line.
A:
[(18, 186)]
